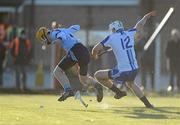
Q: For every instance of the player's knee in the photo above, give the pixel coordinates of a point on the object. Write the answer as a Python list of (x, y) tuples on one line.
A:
[(129, 84), (83, 79), (96, 75)]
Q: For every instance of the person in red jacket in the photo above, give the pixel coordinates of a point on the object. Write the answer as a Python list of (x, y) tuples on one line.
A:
[(21, 51)]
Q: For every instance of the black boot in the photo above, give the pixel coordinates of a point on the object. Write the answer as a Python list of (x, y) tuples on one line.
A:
[(119, 93), (146, 102), (65, 95), (99, 92)]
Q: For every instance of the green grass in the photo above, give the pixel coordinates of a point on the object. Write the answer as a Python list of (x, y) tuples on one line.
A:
[(46, 110)]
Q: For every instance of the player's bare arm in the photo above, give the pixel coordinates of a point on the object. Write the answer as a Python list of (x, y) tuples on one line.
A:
[(139, 26), (96, 49)]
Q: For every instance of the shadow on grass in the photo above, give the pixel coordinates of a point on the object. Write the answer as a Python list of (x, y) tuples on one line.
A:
[(176, 110), (139, 112), (144, 113)]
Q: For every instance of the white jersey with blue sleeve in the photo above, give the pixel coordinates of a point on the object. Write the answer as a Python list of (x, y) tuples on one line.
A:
[(66, 36), (122, 44)]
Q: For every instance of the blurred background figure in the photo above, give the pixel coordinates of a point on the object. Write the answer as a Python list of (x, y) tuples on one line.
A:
[(21, 52), (147, 67), (13, 32), (173, 59), (146, 59), (2, 54)]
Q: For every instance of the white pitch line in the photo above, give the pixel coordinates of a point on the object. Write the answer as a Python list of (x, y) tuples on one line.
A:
[(164, 20)]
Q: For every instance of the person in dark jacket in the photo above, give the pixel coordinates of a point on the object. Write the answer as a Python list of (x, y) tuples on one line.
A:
[(173, 59), (146, 59), (2, 55), (21, 51)]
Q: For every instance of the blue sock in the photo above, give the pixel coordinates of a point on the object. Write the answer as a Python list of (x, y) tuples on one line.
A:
[(67, 87)]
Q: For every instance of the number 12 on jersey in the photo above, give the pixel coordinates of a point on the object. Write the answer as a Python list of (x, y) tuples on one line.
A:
[(126, 43)]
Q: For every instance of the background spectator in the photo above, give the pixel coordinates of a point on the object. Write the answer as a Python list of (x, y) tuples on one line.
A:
[(2, 54), (21, 51), (173, 59), (146, 61)]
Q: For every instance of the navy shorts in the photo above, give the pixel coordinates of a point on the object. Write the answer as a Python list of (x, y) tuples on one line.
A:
[(122, 77), (78, 54)]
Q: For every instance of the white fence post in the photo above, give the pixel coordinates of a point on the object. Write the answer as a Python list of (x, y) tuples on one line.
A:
[(157, 63)]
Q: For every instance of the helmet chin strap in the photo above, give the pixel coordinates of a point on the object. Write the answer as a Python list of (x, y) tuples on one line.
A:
[(44, 43), (47, 41)]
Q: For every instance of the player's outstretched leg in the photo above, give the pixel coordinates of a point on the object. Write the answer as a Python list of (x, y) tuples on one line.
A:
[(98, 87), (137, 91), (88, 80), (64, 81), (103, 78)]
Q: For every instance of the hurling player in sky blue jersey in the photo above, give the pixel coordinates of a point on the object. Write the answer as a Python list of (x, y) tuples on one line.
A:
[(77, 53), (122, 44)]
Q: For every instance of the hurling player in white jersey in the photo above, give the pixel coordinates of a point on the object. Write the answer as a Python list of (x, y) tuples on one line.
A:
[(77, 53), (122, 44)]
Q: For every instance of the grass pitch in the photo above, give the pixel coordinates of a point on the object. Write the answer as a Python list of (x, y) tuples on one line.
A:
[(46, 110)]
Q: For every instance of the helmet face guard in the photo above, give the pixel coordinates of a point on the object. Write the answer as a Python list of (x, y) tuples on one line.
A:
[(41, 35)]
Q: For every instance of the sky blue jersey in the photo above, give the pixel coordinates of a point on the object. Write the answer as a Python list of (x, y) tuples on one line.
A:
[(65, 36), (122, 44)]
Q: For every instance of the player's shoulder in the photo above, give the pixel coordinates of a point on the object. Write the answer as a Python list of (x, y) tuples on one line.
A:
[(131, 29), (76, 27), (107, 38), (57, 30)]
